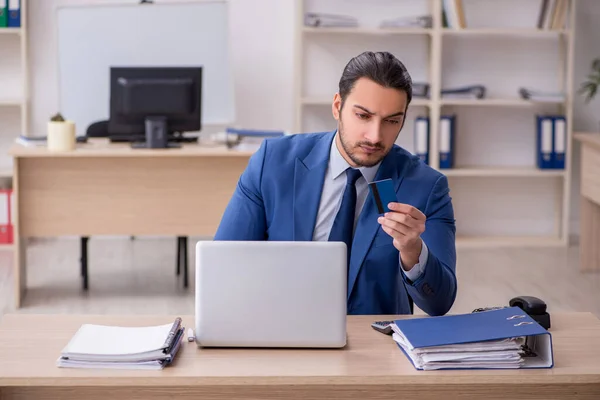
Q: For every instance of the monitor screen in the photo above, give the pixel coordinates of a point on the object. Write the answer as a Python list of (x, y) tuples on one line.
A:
[(140, 92)]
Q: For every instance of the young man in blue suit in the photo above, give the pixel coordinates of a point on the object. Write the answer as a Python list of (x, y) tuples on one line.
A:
[(315, 187)]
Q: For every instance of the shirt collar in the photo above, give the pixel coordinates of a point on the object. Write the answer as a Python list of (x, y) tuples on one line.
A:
[(338, 164)]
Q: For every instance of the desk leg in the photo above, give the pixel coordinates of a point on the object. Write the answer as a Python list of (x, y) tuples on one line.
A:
[(20, 271), (590, 236)]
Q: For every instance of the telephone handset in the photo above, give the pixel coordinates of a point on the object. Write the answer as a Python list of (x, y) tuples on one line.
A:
[(534, 307)]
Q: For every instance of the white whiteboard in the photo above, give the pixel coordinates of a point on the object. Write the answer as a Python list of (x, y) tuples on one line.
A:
[(91, 39)]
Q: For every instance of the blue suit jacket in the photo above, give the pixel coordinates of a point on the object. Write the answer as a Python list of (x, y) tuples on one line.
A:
[(277, 198)]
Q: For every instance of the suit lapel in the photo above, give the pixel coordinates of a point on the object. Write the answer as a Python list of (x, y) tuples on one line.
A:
[(309, 175), (367, 224)]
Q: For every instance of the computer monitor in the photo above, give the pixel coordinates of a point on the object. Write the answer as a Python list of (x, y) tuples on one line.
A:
[(154, 105)]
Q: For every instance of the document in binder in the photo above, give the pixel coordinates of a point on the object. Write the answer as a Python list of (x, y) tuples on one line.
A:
[(505, 338), (5, 219)]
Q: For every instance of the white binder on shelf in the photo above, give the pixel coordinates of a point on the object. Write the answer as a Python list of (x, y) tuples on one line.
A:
[(422, 138), (560, 142), (446, 141)]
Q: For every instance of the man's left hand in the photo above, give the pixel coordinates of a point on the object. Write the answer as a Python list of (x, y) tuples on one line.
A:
[(405, 224)]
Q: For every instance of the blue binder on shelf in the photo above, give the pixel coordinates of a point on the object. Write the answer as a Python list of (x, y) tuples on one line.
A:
[(559, 142), (446, 141), (422, 138), (544, 142), (14, 13), (505, 338)]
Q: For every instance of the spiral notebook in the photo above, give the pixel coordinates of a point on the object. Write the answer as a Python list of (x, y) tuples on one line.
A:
[(495, 339), (102, 346)]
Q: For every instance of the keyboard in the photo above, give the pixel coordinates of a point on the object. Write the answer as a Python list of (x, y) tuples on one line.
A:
[(137, 138)]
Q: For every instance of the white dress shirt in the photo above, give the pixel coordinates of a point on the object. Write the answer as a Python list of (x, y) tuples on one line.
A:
[(331, 200)]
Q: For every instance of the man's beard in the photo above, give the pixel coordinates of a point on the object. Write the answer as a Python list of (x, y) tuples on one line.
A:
[(350, 151)]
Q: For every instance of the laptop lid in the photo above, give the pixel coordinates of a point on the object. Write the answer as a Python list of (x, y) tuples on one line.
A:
[(270, 294)]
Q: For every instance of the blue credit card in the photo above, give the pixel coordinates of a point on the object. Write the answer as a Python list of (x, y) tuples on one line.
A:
[(383, 193)]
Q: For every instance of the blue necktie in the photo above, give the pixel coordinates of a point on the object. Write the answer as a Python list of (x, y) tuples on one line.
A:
[(343, 225)]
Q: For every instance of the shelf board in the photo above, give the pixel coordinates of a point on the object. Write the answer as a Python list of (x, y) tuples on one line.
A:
[(468, 242), (11, 102), (6, 246), (516, 102), (504, 172), (6, 173), (522, 32), (368, 31), (10, 31), (326, 101)]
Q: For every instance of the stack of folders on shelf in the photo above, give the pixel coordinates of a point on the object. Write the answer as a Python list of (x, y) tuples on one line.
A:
[(419, 21), (551, 141), (541, 96), (314, 19), (446, 142), (10, 14), (101, 346), (465, 92), (505, 338)]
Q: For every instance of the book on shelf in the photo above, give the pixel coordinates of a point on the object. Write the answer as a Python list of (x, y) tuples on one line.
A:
[(553, 14), (453, 14), (121, 347)]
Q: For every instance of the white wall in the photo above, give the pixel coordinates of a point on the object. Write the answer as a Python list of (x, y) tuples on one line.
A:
[(263, 57), (264, 100)]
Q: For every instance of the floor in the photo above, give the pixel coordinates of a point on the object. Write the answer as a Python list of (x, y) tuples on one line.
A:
[(138, 277)]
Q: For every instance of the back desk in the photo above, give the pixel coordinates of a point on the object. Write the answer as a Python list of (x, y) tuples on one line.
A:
[(103, 188), (370, 367)]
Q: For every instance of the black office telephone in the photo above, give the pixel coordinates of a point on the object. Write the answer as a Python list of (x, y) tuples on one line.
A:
[(533, 306)]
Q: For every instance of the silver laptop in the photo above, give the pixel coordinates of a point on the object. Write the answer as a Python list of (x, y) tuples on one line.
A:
[(271, 294)]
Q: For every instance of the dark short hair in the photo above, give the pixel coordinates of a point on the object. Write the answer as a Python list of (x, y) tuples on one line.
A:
[(381, 67)]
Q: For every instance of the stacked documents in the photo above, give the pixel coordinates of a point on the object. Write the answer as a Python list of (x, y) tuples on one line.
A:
[(497, 339), (420, 21), (329, 20), (101, 346), (541, 96)]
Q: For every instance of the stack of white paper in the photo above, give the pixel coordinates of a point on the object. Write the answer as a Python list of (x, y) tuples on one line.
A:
[(329, 20), (504, 353), (100, 346), (541, 96)]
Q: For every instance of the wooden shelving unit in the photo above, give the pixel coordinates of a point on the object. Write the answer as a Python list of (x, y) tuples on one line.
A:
[(18, 96), (434, 105)]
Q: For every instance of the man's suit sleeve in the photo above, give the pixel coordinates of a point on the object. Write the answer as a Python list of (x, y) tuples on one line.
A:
[(435, 290), (244, 216)]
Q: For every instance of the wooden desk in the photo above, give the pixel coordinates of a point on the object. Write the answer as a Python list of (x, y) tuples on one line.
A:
[(370, 367), (589, 201), (112, 189)]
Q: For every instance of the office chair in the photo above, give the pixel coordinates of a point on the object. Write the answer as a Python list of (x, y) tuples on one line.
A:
[(100, 129)]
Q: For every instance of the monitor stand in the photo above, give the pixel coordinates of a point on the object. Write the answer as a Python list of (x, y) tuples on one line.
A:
[(157, 135)]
